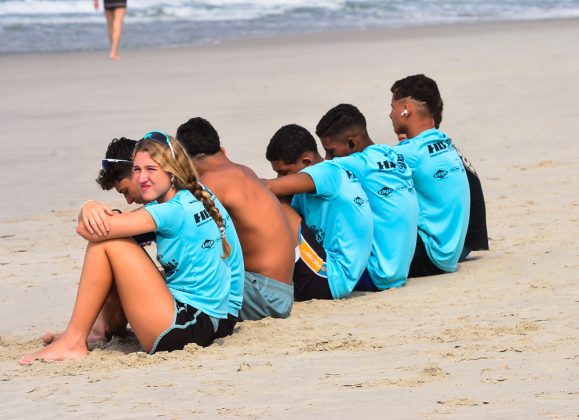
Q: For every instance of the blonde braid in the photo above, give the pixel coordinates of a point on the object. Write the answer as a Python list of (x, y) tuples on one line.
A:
[(200, 194)]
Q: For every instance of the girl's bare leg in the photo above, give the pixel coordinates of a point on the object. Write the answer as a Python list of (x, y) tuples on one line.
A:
[(146, 300), (111, 321)]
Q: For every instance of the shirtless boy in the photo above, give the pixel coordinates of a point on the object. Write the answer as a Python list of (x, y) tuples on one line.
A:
[(264, 233)]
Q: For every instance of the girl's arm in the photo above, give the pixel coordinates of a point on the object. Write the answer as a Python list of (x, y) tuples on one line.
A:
[(120, 226)]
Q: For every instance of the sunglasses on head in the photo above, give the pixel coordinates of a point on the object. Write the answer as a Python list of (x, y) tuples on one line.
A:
[(160, 137), (108, 163)]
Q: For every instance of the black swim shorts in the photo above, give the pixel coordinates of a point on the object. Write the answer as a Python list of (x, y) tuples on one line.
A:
[(421, 264), (226, 326), (115, 4), (310, 276), (190, 326)]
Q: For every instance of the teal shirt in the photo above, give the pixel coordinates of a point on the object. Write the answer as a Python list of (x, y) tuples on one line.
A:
[(235, 260), (387, 180), (443, 195), (189, 250), (339, 215)]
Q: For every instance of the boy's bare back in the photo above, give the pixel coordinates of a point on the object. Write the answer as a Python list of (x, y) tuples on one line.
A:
[(263, 230)]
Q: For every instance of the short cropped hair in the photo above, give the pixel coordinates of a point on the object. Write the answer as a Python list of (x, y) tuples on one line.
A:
[(338, 119), (198, 137), (423, 89), (289, 143), (118, 149)]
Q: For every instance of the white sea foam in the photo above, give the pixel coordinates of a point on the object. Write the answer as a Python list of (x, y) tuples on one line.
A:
[(33, 25)]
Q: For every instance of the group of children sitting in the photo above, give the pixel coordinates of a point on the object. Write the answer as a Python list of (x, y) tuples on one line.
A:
[(235, 247)]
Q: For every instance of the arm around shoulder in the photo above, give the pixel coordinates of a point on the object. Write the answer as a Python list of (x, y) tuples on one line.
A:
[(291, 184)]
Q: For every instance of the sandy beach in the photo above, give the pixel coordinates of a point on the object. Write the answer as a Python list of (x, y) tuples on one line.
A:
[(497, 339)]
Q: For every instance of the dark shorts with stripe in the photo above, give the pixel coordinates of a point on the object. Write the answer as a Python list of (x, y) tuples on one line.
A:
[(226, 326), (115, 4), (310, 276), (189, 326)]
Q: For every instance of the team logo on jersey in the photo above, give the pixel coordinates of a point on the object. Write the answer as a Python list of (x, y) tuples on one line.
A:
[(351, 176), (401, 163), (170, 267), (385, 192), (202, 217), (441, 174), (386, 165), (208, 244), (360, 201), (456, 169), (439, 147)]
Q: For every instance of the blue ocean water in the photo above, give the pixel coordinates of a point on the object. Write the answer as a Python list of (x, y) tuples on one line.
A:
[(74, 25)]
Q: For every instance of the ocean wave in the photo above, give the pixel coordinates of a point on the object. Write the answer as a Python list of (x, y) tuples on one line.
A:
[(55, 21)]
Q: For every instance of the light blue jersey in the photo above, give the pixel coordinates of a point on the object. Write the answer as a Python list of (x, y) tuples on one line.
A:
[(235, 259), (387, 181), (189, 250), (339, 215), (443, 195)]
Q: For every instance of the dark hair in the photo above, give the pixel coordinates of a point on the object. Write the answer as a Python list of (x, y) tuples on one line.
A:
[(338, 119), (423, 89), (117, 149), (198, 136), (289, 143)]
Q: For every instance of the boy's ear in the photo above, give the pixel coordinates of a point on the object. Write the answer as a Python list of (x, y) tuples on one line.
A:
[(353, 142), (307, 159), (223, 150)]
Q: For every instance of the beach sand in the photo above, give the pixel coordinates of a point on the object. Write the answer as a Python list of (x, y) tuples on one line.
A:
[(496, 339)]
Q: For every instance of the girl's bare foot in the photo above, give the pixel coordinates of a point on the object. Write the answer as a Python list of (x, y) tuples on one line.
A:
[(95, 336), (61, 349)]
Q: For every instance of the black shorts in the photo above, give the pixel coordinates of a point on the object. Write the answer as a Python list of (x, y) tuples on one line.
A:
[(365, 283), (421, 264), (190, 326), (226, 326), (310, 276), (115, 4)]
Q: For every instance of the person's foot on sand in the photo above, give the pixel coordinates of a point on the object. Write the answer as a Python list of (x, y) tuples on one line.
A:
[(114, 56), (58, 350), (93, 337), (50, 337)]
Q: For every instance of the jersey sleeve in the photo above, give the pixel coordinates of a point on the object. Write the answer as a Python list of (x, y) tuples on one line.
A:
[(167, 216), (326, 177), (354, 164)]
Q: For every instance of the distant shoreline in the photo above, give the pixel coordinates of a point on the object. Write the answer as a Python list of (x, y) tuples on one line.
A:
[(356, 32)]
